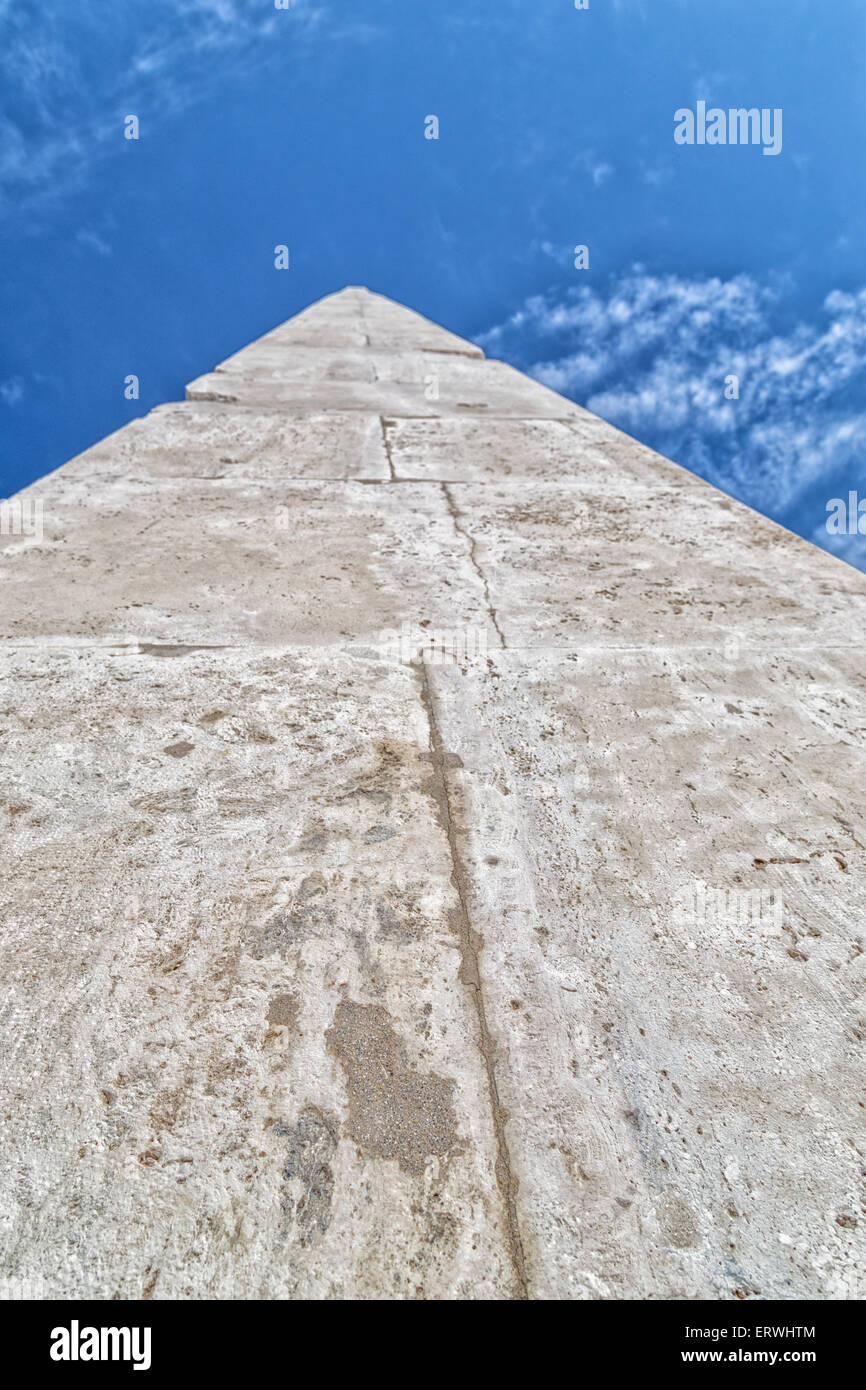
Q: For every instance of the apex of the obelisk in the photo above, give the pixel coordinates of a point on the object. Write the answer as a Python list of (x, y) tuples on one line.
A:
[(358, 317)]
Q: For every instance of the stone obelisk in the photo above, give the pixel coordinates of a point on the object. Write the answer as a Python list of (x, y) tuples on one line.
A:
[(433, 847)]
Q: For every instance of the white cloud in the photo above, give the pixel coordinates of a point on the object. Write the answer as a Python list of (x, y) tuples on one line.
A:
[(652, 354), (68, 80), (589, 163), (12, 390), (92, 241)]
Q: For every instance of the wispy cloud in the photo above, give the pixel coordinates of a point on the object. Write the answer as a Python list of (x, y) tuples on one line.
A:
[(589, 163), (90, 240), (12, 390), (653, 354), (69, 73)]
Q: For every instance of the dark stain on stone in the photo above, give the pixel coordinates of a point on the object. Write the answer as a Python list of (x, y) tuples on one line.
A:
[(395, 1111), (307, 916), (214, 717), (312, 1143), (283, 1010), (179, 750), (678, 1224), (314, 840), (258, 735), (441, 1229), (377, 833), (313, 886), (173, 649), (166, 1108), (389, 922), (381, 798), (403, 923), (390, 754)]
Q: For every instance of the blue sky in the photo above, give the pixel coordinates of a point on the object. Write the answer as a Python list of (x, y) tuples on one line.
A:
[(306, 127)]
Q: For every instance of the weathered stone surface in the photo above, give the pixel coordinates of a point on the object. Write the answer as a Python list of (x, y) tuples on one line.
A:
[(482, 450), (357, 318), (217, 562), (666, 871), (201, 440), (407, 383), (433, 851), (619, 562), (183, 937)]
